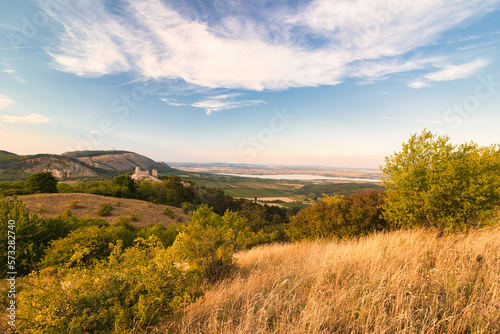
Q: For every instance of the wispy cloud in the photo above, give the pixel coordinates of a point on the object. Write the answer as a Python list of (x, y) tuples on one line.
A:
[(224, 102), (154, 41), (32, 119), (451, 72), (5, 101), (12, 72)]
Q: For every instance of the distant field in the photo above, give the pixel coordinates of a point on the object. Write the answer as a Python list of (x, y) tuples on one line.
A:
[(50, 205), (256, 192)]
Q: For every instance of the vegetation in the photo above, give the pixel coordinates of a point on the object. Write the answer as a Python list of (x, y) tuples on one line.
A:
[(43, 182), (436, 184), (95, 277), (340, 217), (104, 210), (355, 272)]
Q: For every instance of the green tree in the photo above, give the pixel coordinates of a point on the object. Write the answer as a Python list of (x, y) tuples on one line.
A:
[(124, 186), (432, 182), (43, 182), (21, 234)]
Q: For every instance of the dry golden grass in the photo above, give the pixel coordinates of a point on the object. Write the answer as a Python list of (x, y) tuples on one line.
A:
[(400, 282), (50, 205)]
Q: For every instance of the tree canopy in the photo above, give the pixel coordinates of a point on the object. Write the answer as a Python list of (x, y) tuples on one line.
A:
[(434, 183), (43, 182)]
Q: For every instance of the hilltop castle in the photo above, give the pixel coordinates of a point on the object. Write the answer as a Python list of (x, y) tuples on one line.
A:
[(145, 175)]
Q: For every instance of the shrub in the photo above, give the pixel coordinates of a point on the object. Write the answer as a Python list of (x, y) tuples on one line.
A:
[(169, 212), (339, 217), (43, 182), (134, 216), (130, 291), (74, 205), (434, 183), (187, 207), (104, 210)]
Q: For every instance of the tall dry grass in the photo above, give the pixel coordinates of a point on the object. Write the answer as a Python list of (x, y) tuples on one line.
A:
[(400, 282)]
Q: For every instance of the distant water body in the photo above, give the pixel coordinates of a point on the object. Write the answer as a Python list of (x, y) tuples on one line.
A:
[(301, 177)]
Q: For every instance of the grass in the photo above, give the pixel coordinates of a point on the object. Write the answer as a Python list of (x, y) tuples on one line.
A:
[(83, 205), (399, 282)]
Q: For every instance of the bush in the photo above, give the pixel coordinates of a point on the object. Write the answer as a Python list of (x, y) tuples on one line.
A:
[(130, 291), (169, 212), (43, 182), (434, 183), (339, 217), (134, 216), (24, 231), (104, 210), (74, 205)]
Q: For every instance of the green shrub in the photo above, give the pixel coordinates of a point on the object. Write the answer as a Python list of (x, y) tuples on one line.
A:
[(74, 205), (43, 182), (130, 291), (188, 207), (169, 212), (104, 210), (134, 216), (434, 183), (339, 217)]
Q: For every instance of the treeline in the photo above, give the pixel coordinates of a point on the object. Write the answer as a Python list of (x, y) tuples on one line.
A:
[(170, 191), (317, 191)]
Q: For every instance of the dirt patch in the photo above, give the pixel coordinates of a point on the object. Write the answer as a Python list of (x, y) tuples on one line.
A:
[(86, 205)]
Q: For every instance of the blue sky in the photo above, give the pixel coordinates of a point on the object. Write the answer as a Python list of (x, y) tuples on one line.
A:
[(316, 82)]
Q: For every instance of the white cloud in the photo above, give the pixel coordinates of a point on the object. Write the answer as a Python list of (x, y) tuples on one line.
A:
[(156, 42), (224, 102), (454, 72), (450, 72), (5, 101), (418, 83), (32, 119)]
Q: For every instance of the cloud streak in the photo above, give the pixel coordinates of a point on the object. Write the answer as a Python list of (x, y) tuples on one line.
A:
[(32, 119), (450, 72), (156, 42), (224, 102)]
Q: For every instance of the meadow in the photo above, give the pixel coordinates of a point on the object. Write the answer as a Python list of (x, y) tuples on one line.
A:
[(408, 281)]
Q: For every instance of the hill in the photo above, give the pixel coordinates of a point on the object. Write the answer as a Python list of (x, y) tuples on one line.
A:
[(77, 164), (118, 160), (83, 205), (400, 282)]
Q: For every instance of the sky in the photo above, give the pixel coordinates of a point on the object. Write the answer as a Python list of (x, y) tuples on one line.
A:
[(340, 83)]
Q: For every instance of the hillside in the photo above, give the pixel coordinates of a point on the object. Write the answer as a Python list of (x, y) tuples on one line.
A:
[(50, 205), (77, 164), (399, 282), (117, 160)]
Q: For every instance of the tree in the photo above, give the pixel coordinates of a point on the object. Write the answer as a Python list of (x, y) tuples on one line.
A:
[(432, 182), (124, 186), (43, 182)]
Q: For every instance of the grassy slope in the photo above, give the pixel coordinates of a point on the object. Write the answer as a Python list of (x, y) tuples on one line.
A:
[(49, 205), (401, 282)]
